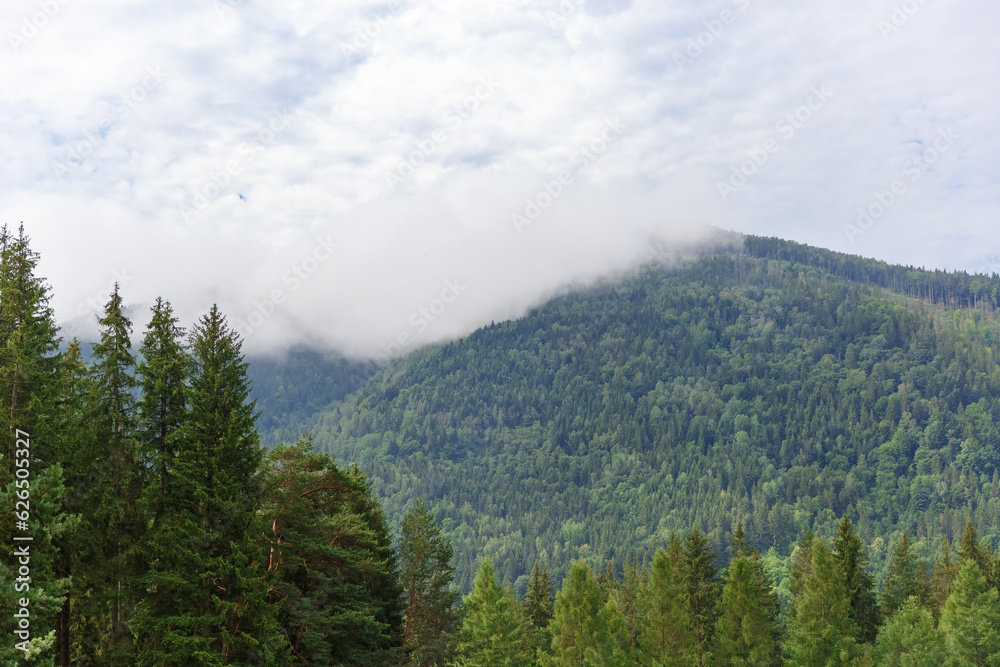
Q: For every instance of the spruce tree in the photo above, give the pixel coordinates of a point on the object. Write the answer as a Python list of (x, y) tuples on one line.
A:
[(970, 548), (747, 631), (493, 629), (821, 630), (849, 551), (665, 633), (902, 579), (970, 620), (585, 631), (29, 422), (538, 607), (110, 563), (425, 573), (700, 589), (222, 457), (943, 581), (910, 639)]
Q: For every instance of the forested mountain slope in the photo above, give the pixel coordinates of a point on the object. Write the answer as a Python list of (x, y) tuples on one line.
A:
[(736, 387)]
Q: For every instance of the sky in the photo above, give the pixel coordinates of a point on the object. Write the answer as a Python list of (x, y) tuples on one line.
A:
[(372, 177)]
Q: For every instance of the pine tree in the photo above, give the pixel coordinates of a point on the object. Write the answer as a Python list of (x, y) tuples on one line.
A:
[(538, 607), (821, 630), (747, 631), (902, 579), (700, 589), (910, 639), (850, 554), (665, 633), (327, 559), (493, 629), (425, 574), (626, 600), (970, 620)]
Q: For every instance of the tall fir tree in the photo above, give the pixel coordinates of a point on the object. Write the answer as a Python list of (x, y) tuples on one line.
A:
[(902, 579), (425, 576), (493, 628), (586, 631), (970, 620), (665, 632), (747, 632), (971, 548), (849, 551), (111, 565), (821, 630), (538, 607), (29, 422), (943, 581), (700, 589), (222, 457)]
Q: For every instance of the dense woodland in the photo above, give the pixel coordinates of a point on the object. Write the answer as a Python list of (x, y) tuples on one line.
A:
[(757, 458)]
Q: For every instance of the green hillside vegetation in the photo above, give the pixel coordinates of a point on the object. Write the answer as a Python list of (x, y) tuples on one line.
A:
[(783, 393)]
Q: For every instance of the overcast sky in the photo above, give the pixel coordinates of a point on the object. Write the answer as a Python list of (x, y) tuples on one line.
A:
[(374, 176)]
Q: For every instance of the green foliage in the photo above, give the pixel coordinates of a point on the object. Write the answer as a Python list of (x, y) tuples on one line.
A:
[(328, 559), (970, 620), (665, 632), (425, 574), (910, 639), (586, 631), (903, 579), (493, 629), (821, 630), (538, 601)]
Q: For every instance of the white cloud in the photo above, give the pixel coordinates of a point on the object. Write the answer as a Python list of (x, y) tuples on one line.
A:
[(365, 84)]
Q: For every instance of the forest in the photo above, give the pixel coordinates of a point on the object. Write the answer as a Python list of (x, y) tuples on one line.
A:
[(758, 457)]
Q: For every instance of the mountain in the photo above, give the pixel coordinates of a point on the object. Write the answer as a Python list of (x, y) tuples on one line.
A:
[(775, 384)]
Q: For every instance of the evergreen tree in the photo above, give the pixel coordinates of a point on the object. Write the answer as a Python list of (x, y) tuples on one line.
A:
[(970, 620), (538, 607), (29, 389), (909, 638), (425, 575), (223, 456), (849, 552), (665, 633), (585, 631), (110, 562), (700, 589), (970, 548), (327, 560), (903, 579), (626, 601), (943, 581), (747, 631), (821, 630), (493, 629)]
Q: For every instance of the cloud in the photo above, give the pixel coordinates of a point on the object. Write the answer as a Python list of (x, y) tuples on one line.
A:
[(208, 149)]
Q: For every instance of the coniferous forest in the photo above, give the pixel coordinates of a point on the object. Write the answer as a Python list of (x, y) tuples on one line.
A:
[(768, 454)]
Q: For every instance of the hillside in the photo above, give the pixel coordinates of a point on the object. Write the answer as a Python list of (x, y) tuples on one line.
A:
[(783, 386)]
